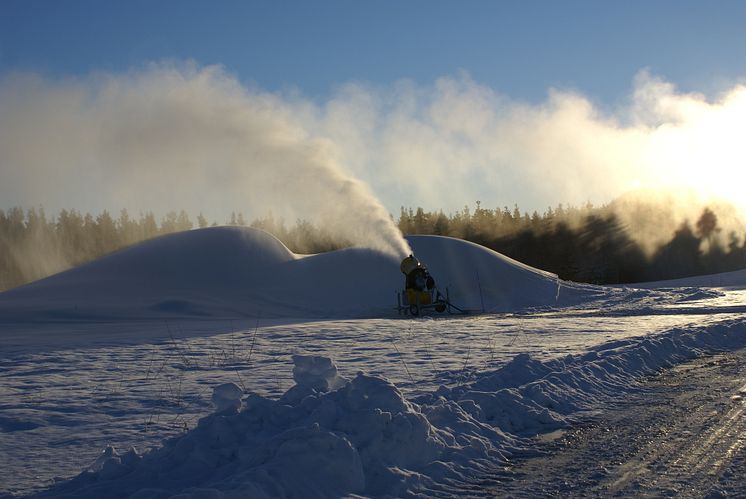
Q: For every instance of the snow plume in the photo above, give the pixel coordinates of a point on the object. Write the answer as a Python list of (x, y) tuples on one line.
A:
[(457, 141), (178, 136), (650, 217)]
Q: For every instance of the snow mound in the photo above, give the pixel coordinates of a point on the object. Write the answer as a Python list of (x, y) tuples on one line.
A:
[(243, 272), (479, 278), (365, 437)]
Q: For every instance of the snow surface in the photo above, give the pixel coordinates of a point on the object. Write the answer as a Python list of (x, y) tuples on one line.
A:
[(734, 279), (207, 352)]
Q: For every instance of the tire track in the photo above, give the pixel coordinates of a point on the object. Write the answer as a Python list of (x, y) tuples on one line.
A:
[(683, 434), (691, 466)]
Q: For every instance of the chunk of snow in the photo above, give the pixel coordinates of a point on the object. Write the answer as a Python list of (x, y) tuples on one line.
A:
[(227, 397)]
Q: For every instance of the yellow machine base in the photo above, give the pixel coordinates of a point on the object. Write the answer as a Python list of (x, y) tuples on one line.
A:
[(415, 297)]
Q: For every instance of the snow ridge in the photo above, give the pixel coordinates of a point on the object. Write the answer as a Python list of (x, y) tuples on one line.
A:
[(328, 436)]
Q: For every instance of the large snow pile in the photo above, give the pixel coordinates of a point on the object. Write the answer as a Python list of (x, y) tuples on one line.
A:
[(479, 278), (243, 272), (328, 436)]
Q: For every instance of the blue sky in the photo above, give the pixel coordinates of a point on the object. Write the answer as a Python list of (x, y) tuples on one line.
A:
[(518, 48)]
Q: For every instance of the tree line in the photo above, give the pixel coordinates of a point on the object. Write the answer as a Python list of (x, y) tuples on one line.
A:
[(587, 244), (584, 244), (34, 245)]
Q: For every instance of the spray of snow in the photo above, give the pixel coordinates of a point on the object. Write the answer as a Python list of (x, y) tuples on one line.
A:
[(455, 141), (178, 136)]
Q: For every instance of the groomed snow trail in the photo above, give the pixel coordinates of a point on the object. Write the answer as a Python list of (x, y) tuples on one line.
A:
[(683, 434)]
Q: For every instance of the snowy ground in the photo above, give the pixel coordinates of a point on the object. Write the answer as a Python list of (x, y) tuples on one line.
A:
[(453, 405), (683, 434)]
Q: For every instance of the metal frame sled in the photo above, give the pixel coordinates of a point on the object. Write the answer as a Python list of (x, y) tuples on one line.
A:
[(413, 302)]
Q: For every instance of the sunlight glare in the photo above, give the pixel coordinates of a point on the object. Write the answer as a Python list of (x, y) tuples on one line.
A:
[(704, 150)]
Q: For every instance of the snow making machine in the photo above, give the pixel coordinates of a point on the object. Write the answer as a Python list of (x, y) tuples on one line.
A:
[(420, 293)]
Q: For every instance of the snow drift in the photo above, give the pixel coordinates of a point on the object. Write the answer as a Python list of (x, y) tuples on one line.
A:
[(734, 280), (244, 272), (331, 437)]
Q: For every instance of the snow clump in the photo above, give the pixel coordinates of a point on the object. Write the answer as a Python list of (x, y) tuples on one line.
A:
[(227, 397)]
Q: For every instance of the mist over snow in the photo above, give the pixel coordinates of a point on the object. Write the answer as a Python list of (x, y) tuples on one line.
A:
[(178, 135), (458, 141), (168, 136)]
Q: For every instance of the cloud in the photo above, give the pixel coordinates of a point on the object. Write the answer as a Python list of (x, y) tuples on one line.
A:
[(168, 136), (457, 141)]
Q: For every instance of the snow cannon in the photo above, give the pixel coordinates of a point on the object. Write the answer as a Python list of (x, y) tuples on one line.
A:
[(420, 292)]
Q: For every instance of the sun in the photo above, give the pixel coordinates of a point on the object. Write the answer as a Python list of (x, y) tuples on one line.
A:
[(702, 148)]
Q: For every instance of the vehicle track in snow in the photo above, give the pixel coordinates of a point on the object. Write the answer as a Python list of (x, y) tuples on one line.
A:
[(682, 433)]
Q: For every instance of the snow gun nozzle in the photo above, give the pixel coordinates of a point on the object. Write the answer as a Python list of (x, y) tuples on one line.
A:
[(417, 275), (409, 264)]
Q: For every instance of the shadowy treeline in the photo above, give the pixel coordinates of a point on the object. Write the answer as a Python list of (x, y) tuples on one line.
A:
[(33, 245), (585, 244)]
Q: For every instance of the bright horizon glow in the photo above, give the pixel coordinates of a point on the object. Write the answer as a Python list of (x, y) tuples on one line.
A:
[(702, 148)]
